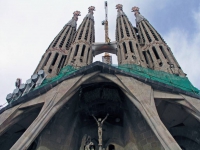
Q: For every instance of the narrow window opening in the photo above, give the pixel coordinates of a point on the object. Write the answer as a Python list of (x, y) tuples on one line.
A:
[(45, 63), (154, 35), (63, 40), (142, 34), (133, 33), (87, 31), (92, 35), (61, 60), (54, 60), (147, 34), (83, 50), (125, 50), (69, 40), (131, 46), (56, 41), (149, 55), (163, 52), (126, 28), (155, 52), (80, 35), (76, 50), (88, 55), (62, 64), (122, 35), (145, 57)]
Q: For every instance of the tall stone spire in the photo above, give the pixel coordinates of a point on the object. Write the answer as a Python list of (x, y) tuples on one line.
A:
[(156, 52), (55, 56), (80, 51), (128, 47)]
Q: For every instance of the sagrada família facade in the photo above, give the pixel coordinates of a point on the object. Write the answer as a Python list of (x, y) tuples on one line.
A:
[(73, 103)]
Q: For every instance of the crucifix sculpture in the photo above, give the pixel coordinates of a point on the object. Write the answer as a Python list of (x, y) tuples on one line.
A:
[(100, 125)]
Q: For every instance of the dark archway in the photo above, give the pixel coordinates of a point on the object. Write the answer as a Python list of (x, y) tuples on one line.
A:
[(183, 126), (111, 147), (8, 139)]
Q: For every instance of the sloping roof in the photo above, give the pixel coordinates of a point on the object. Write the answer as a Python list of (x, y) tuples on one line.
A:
[(96, 66)]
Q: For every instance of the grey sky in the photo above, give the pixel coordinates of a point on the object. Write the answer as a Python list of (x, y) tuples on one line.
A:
[(28, 27)]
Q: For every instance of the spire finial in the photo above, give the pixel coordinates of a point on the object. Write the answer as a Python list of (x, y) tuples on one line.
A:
[(137, 14), (72, 22), (90, 12), (119, 7), (76, 14), (91, 9), (135, 9)]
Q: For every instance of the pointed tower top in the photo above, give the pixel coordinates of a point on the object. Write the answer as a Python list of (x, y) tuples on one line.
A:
[(91, 10), (138, 16), (119, 8), (74, 19), (135, 9), (76, 14)]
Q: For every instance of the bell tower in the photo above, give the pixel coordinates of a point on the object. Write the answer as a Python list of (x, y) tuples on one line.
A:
[(157, 54), (129, 51), (55, 56), (80, 51)]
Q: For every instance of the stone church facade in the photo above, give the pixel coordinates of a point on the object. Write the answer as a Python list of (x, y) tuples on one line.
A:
[(73, 103)]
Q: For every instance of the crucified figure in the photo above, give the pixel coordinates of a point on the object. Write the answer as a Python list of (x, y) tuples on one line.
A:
[(100, 125)]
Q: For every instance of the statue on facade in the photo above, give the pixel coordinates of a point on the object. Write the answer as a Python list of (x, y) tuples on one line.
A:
[(100, 125), (89, 145)]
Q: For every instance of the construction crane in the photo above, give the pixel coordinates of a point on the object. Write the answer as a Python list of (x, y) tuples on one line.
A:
[(106, 58), (105, 23)]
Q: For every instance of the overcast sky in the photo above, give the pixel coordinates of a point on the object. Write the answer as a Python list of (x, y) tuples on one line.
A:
[(27, 27)]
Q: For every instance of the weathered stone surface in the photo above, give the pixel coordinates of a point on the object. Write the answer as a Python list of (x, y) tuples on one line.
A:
[(145, 103)]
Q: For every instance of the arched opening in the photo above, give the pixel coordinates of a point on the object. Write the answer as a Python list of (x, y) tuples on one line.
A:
[(180, 124), (23, 121), (111, 147)]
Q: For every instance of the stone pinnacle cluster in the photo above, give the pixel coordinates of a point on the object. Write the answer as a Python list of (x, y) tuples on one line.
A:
[(141, 45)]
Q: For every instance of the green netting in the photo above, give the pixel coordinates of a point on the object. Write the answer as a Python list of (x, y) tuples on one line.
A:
[(163, 77), (160, 76), (67, 70)]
